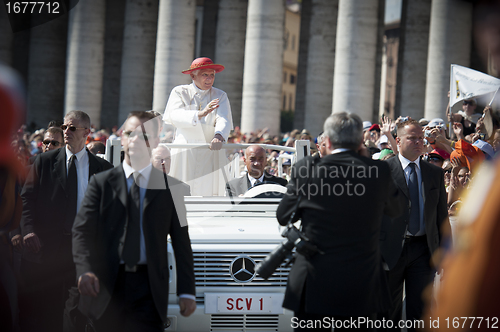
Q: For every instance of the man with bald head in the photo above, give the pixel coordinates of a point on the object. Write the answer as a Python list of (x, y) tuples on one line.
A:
[(160, 157), (255, 161)]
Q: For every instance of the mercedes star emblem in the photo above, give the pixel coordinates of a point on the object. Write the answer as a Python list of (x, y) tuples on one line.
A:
[(242, 269)]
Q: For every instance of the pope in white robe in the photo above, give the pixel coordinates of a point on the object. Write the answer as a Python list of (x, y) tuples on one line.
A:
[(200, 114)]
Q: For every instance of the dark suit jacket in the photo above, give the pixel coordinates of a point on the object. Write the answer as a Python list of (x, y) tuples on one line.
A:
[(435, 210), (239, 186), (99, 226), (343, 199), (45, 202)]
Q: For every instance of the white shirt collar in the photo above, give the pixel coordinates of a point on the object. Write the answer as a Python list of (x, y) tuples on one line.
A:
[(339, 150), (145, 172), (200, 91), (79, 155), (253, 180), (405, 162)]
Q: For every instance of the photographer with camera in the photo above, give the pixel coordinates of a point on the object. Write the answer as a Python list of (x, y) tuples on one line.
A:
[(340, 199)]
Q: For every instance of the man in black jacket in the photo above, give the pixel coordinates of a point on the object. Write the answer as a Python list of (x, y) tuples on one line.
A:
[(52, 195), (408, 241), (120, 240), (255, 161), (341, 199)]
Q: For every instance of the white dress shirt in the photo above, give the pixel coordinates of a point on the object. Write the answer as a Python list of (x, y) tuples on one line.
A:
[(142, 180), (82, 173), (253, 180), (406, 170)]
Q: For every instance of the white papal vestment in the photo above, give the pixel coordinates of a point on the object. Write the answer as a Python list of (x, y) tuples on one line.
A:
[(200, 168)]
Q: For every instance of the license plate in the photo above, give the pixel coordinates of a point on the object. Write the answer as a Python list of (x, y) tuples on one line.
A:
[(241, 303)]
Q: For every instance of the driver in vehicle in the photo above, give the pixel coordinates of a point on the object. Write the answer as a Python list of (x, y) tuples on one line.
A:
[(255, 160)]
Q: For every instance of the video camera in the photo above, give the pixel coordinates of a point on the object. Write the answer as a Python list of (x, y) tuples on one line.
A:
[(294, 239)]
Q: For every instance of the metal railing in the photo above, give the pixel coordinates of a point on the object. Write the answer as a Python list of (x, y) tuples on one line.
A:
[(300, 150)]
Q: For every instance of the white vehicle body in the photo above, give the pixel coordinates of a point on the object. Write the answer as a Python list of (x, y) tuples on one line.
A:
[(225, 234), (229, 297)]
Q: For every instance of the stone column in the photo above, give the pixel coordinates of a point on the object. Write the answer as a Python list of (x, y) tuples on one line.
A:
[(356, 57), (113, 46), (6, 37), (412, 58), (230, 51), (85, 59), (449, 43), (320, 64), (138, 61), (300, 89), (209, 28), (174, 48), (47, 71), (263, 71)]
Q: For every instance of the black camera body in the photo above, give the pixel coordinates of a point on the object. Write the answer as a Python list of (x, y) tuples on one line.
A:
[(294, 239)]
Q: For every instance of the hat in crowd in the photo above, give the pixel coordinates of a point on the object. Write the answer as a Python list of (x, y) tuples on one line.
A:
[(436, 122), (383, 139), (468, 154), (485, 147), (305, 132), (366, 125), (375, 126), (380, 155), (440, 153), (203, 63), (423, 122)]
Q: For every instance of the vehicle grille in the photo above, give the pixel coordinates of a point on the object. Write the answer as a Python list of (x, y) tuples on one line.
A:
[(244, 322), (212, 269)]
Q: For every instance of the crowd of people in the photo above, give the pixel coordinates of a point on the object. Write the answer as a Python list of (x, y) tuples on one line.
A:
[(64, 261)]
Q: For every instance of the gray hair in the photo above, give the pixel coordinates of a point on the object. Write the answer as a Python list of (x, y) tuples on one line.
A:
[(197, 71), (80, 116), (345, 130)]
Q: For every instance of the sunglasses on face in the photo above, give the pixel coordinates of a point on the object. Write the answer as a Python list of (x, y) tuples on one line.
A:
[(132, 134), (436, 159), (467, 102), (72, 128), (54, 143)]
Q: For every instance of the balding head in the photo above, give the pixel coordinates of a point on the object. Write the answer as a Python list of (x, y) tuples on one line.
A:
[(161, 158), (255, 160)]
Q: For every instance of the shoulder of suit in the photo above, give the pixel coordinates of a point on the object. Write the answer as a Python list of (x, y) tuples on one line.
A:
[(106, 164), (101, 176), (50, 156), (432, 167), (307, 161), (237, 180)]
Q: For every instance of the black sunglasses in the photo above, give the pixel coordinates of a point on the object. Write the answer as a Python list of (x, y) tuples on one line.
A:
[(72, 128), (54, 143), (468, 102), (434, 158)]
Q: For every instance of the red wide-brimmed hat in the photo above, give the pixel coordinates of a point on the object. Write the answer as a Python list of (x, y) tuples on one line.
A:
[(203, 63)]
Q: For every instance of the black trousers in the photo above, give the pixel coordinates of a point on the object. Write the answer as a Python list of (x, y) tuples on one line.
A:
[(305, 321), (44, 289), (132, 308), (414, 270)]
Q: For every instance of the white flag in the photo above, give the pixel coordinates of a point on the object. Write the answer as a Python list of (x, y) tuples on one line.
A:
[(466, 83)]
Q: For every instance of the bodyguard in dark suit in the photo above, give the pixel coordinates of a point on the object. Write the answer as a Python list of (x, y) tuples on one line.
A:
[(255, 162), (409, 240), (120, 240), (341, 199), (51, 196)]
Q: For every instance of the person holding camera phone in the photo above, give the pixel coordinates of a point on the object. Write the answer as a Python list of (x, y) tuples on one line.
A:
[(340, 199)]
